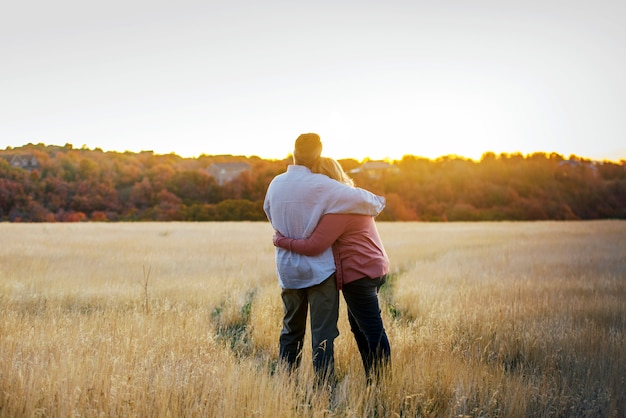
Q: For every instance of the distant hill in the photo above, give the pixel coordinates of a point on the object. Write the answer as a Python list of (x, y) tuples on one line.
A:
[(40, 183)]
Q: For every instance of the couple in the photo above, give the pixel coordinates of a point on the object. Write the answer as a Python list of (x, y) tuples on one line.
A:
[(327, 240)]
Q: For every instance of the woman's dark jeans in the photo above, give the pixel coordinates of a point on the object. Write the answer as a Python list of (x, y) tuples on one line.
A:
[(366, 323)]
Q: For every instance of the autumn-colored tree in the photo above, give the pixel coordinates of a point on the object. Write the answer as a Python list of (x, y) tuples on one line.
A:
[(201, 212), (160, 175), (194, 186), (57, 194), (13, 200), (142, 194), (397, 210), (72, 184), (240, 210), (98, 216), (94, 195), (170, 207)]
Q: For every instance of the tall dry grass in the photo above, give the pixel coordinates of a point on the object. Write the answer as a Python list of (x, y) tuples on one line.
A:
[(182, 319)]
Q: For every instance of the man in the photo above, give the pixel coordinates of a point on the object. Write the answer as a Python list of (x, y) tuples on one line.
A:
[(295, 202)]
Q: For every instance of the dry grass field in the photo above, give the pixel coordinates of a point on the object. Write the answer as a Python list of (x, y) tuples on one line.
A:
[(182, 320)]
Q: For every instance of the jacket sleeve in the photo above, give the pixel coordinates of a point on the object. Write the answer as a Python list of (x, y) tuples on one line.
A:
[(326, 232)]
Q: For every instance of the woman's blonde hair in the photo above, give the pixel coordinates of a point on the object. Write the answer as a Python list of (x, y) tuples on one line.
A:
[(332, 169)]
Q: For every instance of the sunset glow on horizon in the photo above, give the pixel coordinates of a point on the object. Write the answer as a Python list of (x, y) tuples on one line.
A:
[(376, 80)]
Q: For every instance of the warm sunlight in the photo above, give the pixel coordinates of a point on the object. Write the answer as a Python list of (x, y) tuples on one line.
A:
[(436, 123), (377, 80)]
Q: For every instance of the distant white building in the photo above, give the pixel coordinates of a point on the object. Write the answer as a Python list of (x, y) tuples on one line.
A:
[(375, 169), (227, 172), (25, 161)]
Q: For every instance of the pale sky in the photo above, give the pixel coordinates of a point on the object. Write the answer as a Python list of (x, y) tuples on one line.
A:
[(377, 79)]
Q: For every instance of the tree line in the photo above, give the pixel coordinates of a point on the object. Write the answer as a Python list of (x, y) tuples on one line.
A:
[(70, 184)]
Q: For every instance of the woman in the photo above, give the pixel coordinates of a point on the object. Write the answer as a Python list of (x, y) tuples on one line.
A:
[(362, 265)]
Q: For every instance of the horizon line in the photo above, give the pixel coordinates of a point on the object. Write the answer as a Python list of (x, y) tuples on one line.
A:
[(620, 157)]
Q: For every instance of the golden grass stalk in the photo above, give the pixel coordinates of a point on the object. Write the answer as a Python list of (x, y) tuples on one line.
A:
[(181, 319)]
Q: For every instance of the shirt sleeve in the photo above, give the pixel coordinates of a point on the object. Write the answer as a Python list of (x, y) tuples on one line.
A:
[(326, 232), (340, 198)]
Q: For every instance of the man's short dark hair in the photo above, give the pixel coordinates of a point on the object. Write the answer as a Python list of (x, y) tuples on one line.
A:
[(308, 149)]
